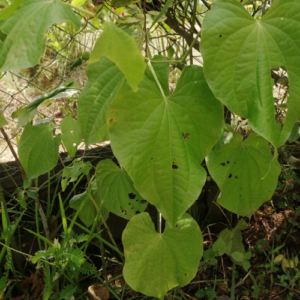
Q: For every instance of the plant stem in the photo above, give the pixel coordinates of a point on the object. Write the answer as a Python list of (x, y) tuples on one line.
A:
[(43, 217), (13, 152), (232, 290), (102, 251), (190, 48), (82, 10), (156, 79)]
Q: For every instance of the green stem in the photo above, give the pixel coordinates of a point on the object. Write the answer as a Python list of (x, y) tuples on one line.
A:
[(82, 10), (156, 79), (191, 47), (29, 256)]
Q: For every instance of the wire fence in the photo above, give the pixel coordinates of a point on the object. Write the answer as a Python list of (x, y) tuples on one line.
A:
[(19, 88), (63, 48)]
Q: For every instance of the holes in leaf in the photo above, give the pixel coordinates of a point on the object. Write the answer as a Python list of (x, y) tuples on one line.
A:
[(223, 164), (186, 135), (230, 175), (143, 201), (123, 211), (151, 158), (174, 167), (131, 196), (220, 35), (236, 177), (280, 92), (228, 162)]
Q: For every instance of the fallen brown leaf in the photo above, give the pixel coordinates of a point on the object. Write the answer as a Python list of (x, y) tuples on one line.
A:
[(98, 292)]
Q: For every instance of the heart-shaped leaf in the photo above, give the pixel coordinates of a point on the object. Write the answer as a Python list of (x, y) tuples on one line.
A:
[(157, 262), (38, 149), (117, 191), (239, 53), (25, 30), (161, 141), (231, 243), (245, 172), (120, 48), (104, 81)]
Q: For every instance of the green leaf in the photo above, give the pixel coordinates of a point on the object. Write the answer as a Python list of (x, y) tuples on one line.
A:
[(88, 214), (117, 191), (23, 115), (239, 53), (233, 240), (209, 254), (295, 133), (162, 71), (78, 2), (220, 246), (71, 173), (104, 80), (8, 11), (154, 261), (231, 243), (25, 30), (22, 200), (161, 13), (238, 256), (71, 135), (245, 172), (67, 292), (122, 3), (2, 120), (246, 265), (32, 195), (161, 142), (120, 48), (38, 149)]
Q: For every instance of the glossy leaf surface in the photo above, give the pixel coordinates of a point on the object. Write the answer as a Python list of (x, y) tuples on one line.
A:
[(25, 30), (239, 53), (104, 80), (120, 48), (245, 172), (117, 191), (154, 261), (38, 149), (161, 142)]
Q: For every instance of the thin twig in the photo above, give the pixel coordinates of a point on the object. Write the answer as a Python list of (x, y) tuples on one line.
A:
[(13, 152)]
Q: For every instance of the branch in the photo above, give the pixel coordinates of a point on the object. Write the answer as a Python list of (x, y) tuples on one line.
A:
[(172, 23)]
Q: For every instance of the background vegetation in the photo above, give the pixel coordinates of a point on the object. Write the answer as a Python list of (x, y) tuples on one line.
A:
[(68, 196)]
